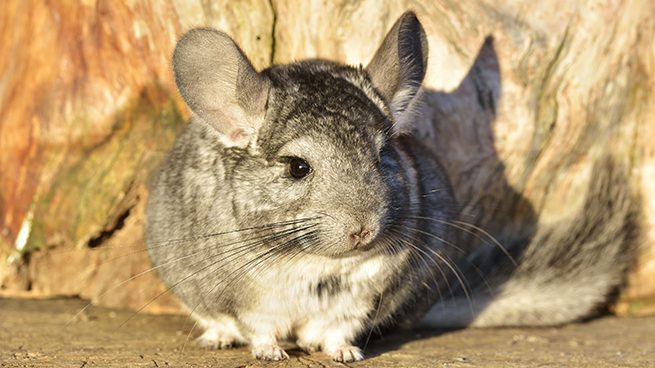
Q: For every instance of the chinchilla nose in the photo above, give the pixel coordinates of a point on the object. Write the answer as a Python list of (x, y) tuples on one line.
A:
[(360, 235)]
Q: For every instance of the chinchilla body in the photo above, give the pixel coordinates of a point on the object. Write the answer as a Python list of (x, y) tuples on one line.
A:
[(298, 204), (296, 253)]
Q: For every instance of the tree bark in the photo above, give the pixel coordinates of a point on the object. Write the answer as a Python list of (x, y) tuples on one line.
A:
[(523, 98)]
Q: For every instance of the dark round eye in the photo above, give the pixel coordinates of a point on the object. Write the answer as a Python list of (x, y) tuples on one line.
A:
[(298, 168)]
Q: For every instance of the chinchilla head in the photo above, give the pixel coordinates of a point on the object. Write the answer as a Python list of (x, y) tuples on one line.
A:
[(309, 140)]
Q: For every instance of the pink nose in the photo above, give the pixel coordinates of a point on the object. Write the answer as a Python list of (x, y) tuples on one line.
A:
[(359, 236)]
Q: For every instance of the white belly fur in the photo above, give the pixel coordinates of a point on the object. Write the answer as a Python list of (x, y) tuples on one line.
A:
[(289, 307)]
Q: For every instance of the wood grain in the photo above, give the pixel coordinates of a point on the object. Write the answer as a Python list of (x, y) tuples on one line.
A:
[(523, 97)]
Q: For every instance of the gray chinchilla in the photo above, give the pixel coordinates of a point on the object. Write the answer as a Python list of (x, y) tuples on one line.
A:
[(297, 204)]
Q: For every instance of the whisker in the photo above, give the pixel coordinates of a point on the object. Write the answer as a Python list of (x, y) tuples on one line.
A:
[(243, 248), (475, 268), (211, 235), (242, 269), (454, 269), (177, 240), (268, 254), (166, 263), (460, 225), (493, 239), (375, 317), (460, 250), (249, 266), (188, 336), (403, 238), (210, 291), (208, 236), (431, 192), (275, 255)]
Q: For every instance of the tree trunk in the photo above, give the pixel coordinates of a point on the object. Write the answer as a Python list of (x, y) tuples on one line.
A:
[(523, 98)]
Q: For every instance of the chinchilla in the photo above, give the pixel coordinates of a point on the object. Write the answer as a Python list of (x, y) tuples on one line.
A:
[(298, 204)]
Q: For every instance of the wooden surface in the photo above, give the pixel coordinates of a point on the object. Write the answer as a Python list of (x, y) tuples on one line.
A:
[(46, 334), (523, 98)]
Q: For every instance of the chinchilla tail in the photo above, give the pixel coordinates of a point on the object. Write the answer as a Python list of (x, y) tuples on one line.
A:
[(564, 273)]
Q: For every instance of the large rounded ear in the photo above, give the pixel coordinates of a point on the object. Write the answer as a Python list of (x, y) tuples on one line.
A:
[(220, 85), (399, 65)]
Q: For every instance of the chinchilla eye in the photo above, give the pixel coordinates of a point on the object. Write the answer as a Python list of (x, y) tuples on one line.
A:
[(298, 168)]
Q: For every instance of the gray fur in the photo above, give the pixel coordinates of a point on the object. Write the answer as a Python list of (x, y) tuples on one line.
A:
[(259, 256)]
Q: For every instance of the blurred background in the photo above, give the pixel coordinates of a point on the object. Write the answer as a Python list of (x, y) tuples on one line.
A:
[(88, 107)]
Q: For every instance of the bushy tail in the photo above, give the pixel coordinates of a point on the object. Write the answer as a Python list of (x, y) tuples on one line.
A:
[(564, 272)]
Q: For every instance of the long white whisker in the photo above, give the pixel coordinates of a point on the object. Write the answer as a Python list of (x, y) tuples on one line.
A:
[(454, 269), (460, 225), (191, 275)]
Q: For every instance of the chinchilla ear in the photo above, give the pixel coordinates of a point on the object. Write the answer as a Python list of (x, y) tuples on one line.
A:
[(399, 65), (220, 85)]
